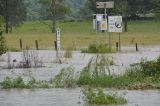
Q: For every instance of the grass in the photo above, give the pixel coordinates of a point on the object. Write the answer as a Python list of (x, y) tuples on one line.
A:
[(145, 75), (81, 33), (66, 78), (98, 97), (98, 48)]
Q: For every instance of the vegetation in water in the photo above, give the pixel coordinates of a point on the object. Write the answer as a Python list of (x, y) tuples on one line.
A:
[(98, 48), (66, 78), (98, 97), (145, 75)]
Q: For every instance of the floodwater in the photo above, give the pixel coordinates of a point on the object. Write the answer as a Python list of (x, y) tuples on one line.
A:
[(72, 97)]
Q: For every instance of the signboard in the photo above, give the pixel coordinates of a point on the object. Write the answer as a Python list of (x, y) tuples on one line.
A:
[(103, 25), (99, 23), (105, 4), (58, 39), (115, 24)]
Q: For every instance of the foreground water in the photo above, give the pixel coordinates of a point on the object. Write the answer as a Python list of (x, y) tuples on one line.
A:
[(70, 97)]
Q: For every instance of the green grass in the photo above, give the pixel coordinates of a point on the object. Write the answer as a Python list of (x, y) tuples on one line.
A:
[(81, 33), (98, 97), (145, 75)]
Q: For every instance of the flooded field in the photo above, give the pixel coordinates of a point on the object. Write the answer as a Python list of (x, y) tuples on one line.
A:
[(71, 97)]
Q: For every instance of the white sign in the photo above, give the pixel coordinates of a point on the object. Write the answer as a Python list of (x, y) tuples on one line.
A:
[(115, 24), (58, 39), (105, 4)]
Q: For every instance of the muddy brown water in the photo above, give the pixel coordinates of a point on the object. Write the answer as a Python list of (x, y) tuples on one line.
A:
[(72, 97)]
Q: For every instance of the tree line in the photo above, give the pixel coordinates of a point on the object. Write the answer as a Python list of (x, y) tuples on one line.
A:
[(15, 12)]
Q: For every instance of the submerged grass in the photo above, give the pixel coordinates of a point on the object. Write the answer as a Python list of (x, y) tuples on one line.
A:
[(66, 78), (98, 97), (145, 75), (98, 48)]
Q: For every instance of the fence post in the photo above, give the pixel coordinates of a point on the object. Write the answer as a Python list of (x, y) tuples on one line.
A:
[(20, 42), (117, 46), (36, 42), (136, 47)]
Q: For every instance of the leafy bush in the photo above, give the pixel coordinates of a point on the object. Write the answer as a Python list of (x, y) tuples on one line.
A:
[(100, 98), (3, 48), (97, 48)]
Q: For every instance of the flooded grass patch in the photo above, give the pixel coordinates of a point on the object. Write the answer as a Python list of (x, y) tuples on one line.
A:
[(145, 75), (66, 78), (98, 97), (98, 48)]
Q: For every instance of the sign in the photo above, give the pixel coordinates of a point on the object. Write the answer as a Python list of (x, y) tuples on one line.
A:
[(105, 4), (58, 39), (115, 24), (98, 19), (103, 25)]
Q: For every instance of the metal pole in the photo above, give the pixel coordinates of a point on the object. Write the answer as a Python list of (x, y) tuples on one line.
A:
[(96, 31), (105, 14)]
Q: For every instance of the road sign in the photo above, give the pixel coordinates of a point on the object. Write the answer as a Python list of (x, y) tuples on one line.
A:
[(115, 24), (105, 4)]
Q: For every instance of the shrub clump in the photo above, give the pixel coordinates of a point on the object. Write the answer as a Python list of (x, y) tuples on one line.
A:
[(66, 78), (100, 98), (98, 48)]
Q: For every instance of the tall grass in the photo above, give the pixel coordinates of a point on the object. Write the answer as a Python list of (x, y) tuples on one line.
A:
[(141, 76), (66, 78)]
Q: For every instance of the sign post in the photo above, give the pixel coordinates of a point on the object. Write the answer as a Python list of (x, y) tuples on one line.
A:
[(58, 46), (115, 25), (105, 5)]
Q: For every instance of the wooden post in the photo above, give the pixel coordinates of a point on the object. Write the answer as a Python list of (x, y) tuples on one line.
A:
[(20, 43), (136, 47), (117, 46), (55, 44), (36, 43)]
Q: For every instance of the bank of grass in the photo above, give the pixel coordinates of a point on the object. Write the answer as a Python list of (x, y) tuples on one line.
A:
[(81, 33)]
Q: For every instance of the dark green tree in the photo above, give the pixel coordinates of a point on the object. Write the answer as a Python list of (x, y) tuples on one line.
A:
[(3, 47), (13, 12)]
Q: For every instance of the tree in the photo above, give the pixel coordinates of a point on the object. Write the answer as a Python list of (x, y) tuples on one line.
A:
[(3, 47), (54, 9), (14, 13), (156, 8)]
